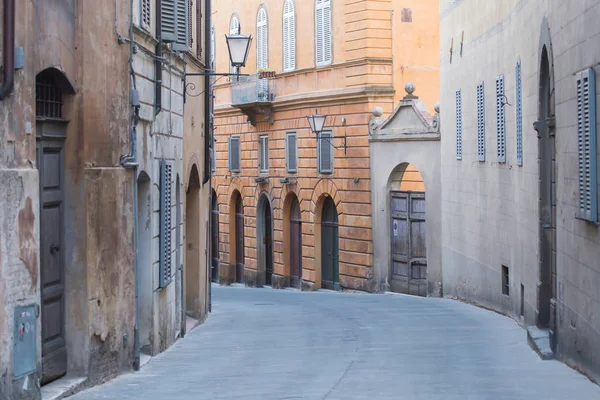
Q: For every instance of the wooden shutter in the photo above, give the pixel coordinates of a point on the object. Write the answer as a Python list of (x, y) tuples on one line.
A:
[(234, 154), (165, 272), (263, 154), (190, 16), (199, 28), (168, 22), (587, 150), (319, 32), (458, 125), (500, 120), (182, 27), (289, 36), (519, 111), (480, 122), (291, 145), (146, 15), (325, 153)]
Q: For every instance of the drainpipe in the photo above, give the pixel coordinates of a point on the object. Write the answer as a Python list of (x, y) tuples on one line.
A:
[(8, 49), (158, 59), (208, 137)]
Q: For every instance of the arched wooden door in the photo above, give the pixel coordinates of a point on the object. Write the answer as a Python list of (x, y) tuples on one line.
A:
[(330, 270), (295, 245), (239, 237), (267, 241), (214, 237)]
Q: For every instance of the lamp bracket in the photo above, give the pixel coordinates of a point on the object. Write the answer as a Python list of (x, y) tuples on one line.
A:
[(345, 146)]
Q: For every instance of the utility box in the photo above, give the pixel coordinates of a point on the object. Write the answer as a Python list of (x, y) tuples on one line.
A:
[(24, 337)]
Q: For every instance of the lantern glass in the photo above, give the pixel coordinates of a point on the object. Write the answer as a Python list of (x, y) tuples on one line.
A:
[(239, 46), (317, 123)]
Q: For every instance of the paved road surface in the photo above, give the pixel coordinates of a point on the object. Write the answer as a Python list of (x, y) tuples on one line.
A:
[(273, 344)]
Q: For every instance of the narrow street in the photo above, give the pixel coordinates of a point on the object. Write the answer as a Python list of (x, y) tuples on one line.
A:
[(273, 344)]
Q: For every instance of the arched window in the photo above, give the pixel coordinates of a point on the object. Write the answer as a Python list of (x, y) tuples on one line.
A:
[(234, 29), (289, 36), (323, 32), (262, 39)]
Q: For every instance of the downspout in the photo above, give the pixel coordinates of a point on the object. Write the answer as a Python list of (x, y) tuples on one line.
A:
[(8, 49), (208, 137), (158, 59)]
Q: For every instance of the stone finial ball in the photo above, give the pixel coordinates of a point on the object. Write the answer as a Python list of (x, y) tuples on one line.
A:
[(437, 108), (410, 88), (377, 111)]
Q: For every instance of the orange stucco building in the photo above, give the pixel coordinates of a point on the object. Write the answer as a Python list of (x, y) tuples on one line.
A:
[(292, 208)]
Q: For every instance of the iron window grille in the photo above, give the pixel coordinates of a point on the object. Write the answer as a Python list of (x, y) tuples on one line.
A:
[(48, 98)]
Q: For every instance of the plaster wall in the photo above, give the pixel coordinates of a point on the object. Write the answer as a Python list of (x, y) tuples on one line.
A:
[(490, 210)]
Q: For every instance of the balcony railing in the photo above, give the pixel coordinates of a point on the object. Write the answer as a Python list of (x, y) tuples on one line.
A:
[(251, 90)]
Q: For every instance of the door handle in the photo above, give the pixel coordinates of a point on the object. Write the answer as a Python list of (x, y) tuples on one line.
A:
[(54, 248)]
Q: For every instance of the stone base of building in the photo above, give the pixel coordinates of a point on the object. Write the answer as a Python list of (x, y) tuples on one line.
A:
[(308, 286), (254, 278), (226, 274), (279, 281)]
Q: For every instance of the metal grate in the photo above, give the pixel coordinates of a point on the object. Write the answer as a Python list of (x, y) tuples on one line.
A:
[(458, 125), (500, 120), (481, 122), (519, 108), (48, 98)]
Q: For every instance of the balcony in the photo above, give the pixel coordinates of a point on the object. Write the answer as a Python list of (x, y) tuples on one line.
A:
[(253, 96)]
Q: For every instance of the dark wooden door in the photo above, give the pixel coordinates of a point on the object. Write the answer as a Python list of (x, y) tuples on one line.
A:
[(409, 250), (295, 245), (329, 247), (215, 238), (268, 243), (50, 161), (239, 237)]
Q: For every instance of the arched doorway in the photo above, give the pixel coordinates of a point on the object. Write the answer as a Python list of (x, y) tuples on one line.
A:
[(264, 232), (144, 282), (545, 126), (193, 275), (330, 270), (408, 243), (295, 244), (214, 237), (51, 131), (236, 236)]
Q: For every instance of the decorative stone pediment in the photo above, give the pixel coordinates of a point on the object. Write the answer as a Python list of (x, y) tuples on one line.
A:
[(409, 121)]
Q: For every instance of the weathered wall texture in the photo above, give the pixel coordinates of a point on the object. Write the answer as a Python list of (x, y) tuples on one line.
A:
[(491, 214)]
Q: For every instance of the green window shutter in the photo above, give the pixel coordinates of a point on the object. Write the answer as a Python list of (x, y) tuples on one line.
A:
[(291, 143), (168, 22), (325, 153), (165, 272), (587, 147), (182, 41)]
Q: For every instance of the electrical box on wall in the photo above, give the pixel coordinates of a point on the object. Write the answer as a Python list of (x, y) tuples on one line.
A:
[(24, 338)]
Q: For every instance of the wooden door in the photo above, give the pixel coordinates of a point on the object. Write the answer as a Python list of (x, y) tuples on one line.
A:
[(239, 237), (329, 247), (50, 161), (408, 242), (215, 238), (268, 243), (295, 245)]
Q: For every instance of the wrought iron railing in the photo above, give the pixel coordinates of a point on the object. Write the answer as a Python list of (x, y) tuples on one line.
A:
[(251, 89)]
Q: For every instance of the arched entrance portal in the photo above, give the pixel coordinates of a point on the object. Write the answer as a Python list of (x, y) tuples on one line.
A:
[(236, 236), (330, 270), (408, 264), (265, 238), (295, 244), (547, 165), (144, 282), (51, 130), (214, 237)]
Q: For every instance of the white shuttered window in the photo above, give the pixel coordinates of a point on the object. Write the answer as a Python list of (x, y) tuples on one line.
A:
[(289, 36), (323, 32), (262, 49), (263, 154)]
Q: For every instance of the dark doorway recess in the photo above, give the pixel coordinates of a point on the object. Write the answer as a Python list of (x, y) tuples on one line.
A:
[(330, 269)]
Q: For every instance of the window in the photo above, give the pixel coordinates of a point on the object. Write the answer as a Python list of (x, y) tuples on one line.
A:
[(500, 120), (323, 32), (458, 125), (165, 266), (586, 138), (234, 154), (289, 36), (175, 23), (262, 38), (480, 122), (146, 15), (291, 153), (263, 154), (198, 28), (406, 15), (505, 281), (519, 110), (234, 29), (325, 152), (213, 156)]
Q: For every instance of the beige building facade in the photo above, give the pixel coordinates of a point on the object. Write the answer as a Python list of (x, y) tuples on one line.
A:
[(519, 170)]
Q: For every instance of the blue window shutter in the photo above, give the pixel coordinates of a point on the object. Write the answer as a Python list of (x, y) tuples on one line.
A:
[(291, 143), (325, 153), (500, 120), (519, 110), (165, 273), (458, 125), (168, 22), (480, 122), (234, 154), (586, 137), (182, 41)]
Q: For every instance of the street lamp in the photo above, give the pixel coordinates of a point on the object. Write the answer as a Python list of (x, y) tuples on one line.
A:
[(316, 122), (239, 47)]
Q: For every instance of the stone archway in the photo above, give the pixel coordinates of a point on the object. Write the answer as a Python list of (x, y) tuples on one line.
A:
[(292, 241), (194, 287), (329, 240), (408, 241), (144, 282), (235, 272), (214, 237), (264, 240)]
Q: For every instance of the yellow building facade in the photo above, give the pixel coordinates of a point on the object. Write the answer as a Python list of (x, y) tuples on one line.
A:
[(294, 208)]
